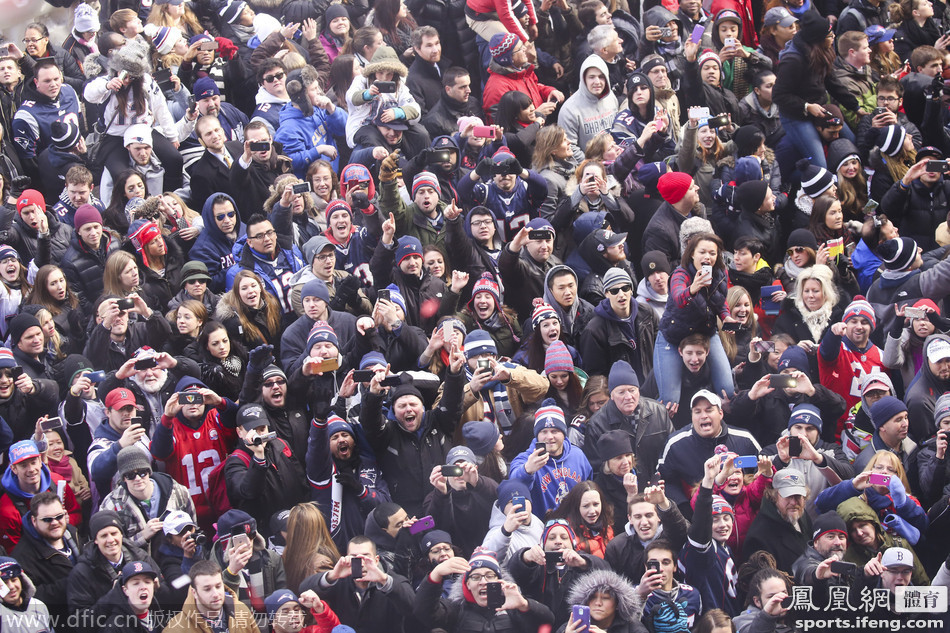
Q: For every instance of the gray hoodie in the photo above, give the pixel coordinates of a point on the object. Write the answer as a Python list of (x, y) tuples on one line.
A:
[(33, 619), (584, 114), (503, 546)]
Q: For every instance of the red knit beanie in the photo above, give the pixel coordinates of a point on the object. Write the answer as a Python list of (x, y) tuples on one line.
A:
[(673, 186)]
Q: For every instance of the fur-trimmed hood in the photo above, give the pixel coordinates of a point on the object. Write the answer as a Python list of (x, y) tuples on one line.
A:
[(629, 605), (385, 58), (132, 57)]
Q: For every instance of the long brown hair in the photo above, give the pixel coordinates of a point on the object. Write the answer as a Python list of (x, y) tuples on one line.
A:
[(570, 508), (694, 242), (137, 88), (271, 308), (821, 58), (307, 535), (549, 139), (41, 296), (117, 262), (853, 195)]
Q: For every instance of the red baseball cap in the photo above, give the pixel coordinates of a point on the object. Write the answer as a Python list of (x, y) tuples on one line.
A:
[(119, 398)]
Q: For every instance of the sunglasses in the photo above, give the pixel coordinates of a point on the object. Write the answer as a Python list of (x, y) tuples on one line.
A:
[(798, 250), (53, 519), (274, 77), (270, 384), (143, 473), (618, 289), (221, 216)]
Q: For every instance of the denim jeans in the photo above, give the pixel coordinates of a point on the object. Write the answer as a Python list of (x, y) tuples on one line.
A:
[(804, 137), (668, 368)]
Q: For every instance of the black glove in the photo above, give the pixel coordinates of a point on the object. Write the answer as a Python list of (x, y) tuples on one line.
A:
[(360, 200), (349, 288), (484, 169), (260, 357), (349, 479), (512, 166), (18, 184)]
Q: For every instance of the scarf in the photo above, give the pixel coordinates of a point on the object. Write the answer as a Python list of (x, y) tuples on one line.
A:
[(62, 468), (336, 502), (816, 321), (496, 406)]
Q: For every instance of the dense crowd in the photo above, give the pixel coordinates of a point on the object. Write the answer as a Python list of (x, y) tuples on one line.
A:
[(476, 315)]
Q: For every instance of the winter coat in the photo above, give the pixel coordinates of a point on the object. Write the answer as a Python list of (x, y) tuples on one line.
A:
[(921, 396), (525, 388), (72, 74), (585, 114), (573, 321), (262, 489), (410, 219), (254, 183), (408, 458), (464, 513), (652, 427), (156, 115), (663, 232), (267, 561), (625, 553), (918, 210), (105, 354), (551, 586), (504, 545), (47, 567), (628, 605), (171, 496), (745, 506), (443, 117), (867, 135), (860, 83), (31, 616), (608, 339), (41, 250), (214, 248), (34, 118), (293, 341), (524, 278), (860, 14), (932, 472), (415, 290), (117, 615), (93, 577), (906, 287), (687, 313), (15, 503), (766, 120), (376, 609), (84, 269), (300, 134), (502, 80), (240, 619), (767, 417), (772, 533), (796, 84), (554, 479)]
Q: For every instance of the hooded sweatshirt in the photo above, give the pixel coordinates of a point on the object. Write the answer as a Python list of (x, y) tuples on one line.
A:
[(30, 616), (555, 479), (301, 134), (585, 114), (213, 247)]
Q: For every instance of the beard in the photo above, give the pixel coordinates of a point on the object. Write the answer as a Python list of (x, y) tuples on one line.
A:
[(152, 386)]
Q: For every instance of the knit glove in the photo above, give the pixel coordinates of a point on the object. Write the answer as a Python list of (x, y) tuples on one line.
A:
[(899, 526), (260, 357), (389, 168), (898, 494), (226, 48), (483, 169)]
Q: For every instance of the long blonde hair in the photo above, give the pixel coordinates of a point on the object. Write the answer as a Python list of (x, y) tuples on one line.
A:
[(895, 463), (307, 536), (117, 262), (728, 339), (898, 165), (189, 24)]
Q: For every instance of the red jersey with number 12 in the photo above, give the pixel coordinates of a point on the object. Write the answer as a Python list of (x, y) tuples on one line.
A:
[(843, 375)]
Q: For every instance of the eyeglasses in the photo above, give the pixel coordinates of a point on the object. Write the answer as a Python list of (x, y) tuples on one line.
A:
[(53, 519), (326, 257), (482, 222), (31, 40), (274, 77), (221, 216), (260, 236), (797, 250), (618, 289), (489, 577), (143, 473), (270, 384), (888, 99)]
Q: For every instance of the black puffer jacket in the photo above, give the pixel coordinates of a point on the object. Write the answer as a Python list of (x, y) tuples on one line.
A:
[(264, 489), (158, 290), (607, 339), (918, 210), (28, 244), (415, 290), (72, 75), (651, 432), (83, 268)]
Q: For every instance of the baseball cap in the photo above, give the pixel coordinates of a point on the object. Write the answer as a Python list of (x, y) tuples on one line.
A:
[(22, 451), (176, 522), (137, 568), (897, 557), (780, 16), (119, 397), (705, 394), (788, 482), (937, 350)]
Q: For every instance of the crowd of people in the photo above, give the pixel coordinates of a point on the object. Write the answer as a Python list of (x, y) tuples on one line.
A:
[(476, 315)]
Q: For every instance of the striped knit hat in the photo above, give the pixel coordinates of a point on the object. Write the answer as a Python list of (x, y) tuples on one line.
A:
[(541, 312), (815, 180), (321, 331), (860, 308), (558, 523), (898, 253), (557, 358), (6, 358), (335, 205), (483, 559), (549, 416), (721, 506), (708, 55), (426, 179), (891, 139), (487, 283), (501, 46), (479, 342)]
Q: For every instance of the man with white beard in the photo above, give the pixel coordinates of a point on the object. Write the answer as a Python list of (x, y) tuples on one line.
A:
[(782, 528)]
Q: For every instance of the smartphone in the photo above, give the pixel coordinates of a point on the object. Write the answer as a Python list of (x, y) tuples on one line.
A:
[(519, 503), (553, 558), (51, 425), (327, 364), (877, 479), (782, 381), (765, 347), (843, 567), (190, 398), (363, 375), (653, 564), (697, 33), (423, 524), (260, 146), (96, 377), (391, 381), (665, 31), (239, 540), (452, 471), (706, 269), (701, 113), (721, 120), (208, 46), (356, 567), (878, 111), (447, 332), (794, 446), (192, 104), (746, 461), (125, 304), (787, 602), (16, 372), (440, 156), (496, 597), (484, 363), (936, 166), (383, 294), (162, 76), (729, 41), (304, 187), (915, 313), (145, 363), (385, 87), (136, 421), (731, 327), (655, 480), (123, 75), (539, 234), (581, 613), (483, 131)]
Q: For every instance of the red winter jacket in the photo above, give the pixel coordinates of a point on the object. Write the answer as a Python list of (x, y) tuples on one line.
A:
[(502, 80), (11, 520), (745, 505), (506, 14)]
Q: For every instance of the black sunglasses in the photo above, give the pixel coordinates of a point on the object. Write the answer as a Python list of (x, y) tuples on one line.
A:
[(618, 289)]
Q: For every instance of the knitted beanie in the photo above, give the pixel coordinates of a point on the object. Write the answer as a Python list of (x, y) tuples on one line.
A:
[(673, 186), (557, 358)]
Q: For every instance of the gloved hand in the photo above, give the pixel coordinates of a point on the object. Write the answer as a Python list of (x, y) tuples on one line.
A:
[(898, 525), (483, 169), (226, 48), (349, 479), (260, 357), (349, 290), (512, 166), (360, 201), (389, 167), (212, 374), (898, 494)]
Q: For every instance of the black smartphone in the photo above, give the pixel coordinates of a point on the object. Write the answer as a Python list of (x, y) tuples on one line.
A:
[(878, 111), (259, 146), (936, 166), (383, 294), (483, 363), (655, 480), (385, 87), (125, 304), (452, 471), (304, 187), (190, 398), (843, 567), (356, 567), (136, 422), (16, 372), (540, 234), (653, 564), (787, 602), (391, 381), (496, 596), (363, 375), (731, 327), (146, 363), (782, 381), (163, 77), (50, 425), (718, 121), (192, 104), (553, 558), (794, 446)]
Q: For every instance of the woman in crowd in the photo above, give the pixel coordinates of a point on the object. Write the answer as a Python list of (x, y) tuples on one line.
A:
[(337, 30), (223, 360), (303, 224), (51, 291), (364, 44), (325, 185), (15, 286), (187, 321), (396, 24), (128, 186), (37, 45), (811, 308), (121, 277), (519, 121), (736, 342), (250, 313), (310, 548)]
